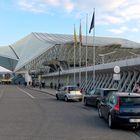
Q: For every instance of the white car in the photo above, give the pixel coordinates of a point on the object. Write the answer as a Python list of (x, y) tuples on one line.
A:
[(70, 92)]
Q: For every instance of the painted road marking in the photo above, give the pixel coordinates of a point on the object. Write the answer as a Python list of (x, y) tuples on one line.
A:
[(26, 93)]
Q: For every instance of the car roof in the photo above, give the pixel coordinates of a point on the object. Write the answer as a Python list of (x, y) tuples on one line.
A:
[(127, 94), (108, 89), (71, 86)]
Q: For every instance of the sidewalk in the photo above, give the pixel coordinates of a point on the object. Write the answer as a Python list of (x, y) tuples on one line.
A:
[(49, 91)]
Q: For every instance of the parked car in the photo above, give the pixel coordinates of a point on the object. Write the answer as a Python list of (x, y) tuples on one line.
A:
[(94, 96), (121, 109), (70, 92)]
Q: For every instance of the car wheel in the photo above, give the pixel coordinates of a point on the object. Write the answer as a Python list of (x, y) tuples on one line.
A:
[(100, 113), (66, 99), (80, 100), (136, 127), (85, 102), (57, 97), (110, 122)]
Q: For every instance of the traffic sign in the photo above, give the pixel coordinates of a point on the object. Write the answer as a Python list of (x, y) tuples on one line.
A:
[(116, 77), (117, 69)]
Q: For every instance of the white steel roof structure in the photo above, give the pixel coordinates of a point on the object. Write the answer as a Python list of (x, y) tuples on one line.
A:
[(37, 48)]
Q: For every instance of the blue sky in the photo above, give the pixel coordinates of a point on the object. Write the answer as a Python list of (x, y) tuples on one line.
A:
[(113, 18)]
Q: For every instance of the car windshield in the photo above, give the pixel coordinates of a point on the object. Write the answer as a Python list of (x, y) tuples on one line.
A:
[(73, 89), (125, 101), (92, 91)]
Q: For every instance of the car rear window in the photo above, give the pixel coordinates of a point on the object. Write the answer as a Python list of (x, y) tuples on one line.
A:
[(126, 101), (73, 89), (107, 92)]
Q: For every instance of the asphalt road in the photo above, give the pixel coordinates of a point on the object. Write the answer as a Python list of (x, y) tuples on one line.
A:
[(31, 115)]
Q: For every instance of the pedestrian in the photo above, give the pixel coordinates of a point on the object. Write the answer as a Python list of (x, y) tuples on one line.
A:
[(59, 85), (55, 86), (78, 84), (137, 88), (51, 85)]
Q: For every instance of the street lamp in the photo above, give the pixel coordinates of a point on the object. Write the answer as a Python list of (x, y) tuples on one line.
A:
[(41, 71), (59, 77), (103, 55), (59, 69)]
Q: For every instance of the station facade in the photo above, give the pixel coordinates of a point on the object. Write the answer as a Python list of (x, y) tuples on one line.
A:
[(50, 58)]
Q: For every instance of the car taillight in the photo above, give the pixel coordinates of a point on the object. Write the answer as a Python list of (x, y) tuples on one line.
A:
[(117, 106)]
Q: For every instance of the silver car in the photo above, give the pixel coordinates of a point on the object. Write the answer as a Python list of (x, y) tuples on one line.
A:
[(70, 92)]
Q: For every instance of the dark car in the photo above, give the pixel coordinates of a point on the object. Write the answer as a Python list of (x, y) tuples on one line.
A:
[(121, 109), (94, 96)]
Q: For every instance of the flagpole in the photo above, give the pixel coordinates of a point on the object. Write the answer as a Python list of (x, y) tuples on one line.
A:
[(79, 63), (94, 53), (74, 51), (74, 63), (92, 26), (86, 45), (80, 45)]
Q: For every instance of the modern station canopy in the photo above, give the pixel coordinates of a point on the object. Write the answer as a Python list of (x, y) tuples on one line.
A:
[(36, 49)]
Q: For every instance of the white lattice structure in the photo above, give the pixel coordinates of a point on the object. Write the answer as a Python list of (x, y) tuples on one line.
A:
[(47, 54)]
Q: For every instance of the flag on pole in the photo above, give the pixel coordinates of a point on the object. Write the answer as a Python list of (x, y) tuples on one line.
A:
[(92, 23), (80, 45), (75, 37), (80, 34), (75, 44)]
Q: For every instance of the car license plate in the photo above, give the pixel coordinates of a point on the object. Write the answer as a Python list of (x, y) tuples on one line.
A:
[(134, 120)]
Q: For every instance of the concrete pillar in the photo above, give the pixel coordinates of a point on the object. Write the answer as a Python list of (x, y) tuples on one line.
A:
[(28, 78)]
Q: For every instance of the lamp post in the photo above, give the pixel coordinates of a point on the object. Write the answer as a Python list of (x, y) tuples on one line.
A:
[(59, 69), (40, 78), (59, 77)]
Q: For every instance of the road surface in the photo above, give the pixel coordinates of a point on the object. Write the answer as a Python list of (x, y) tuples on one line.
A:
[(26, 114)]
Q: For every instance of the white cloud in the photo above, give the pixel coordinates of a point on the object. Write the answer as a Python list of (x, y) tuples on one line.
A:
[(119, 31), (129, 11), (135, 30), (108, 12), (69, 6), (32, 6), (116, 31), (112, 19), (52, 2), (45, 6), (115, 3), (111, 11), (123, 29)]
